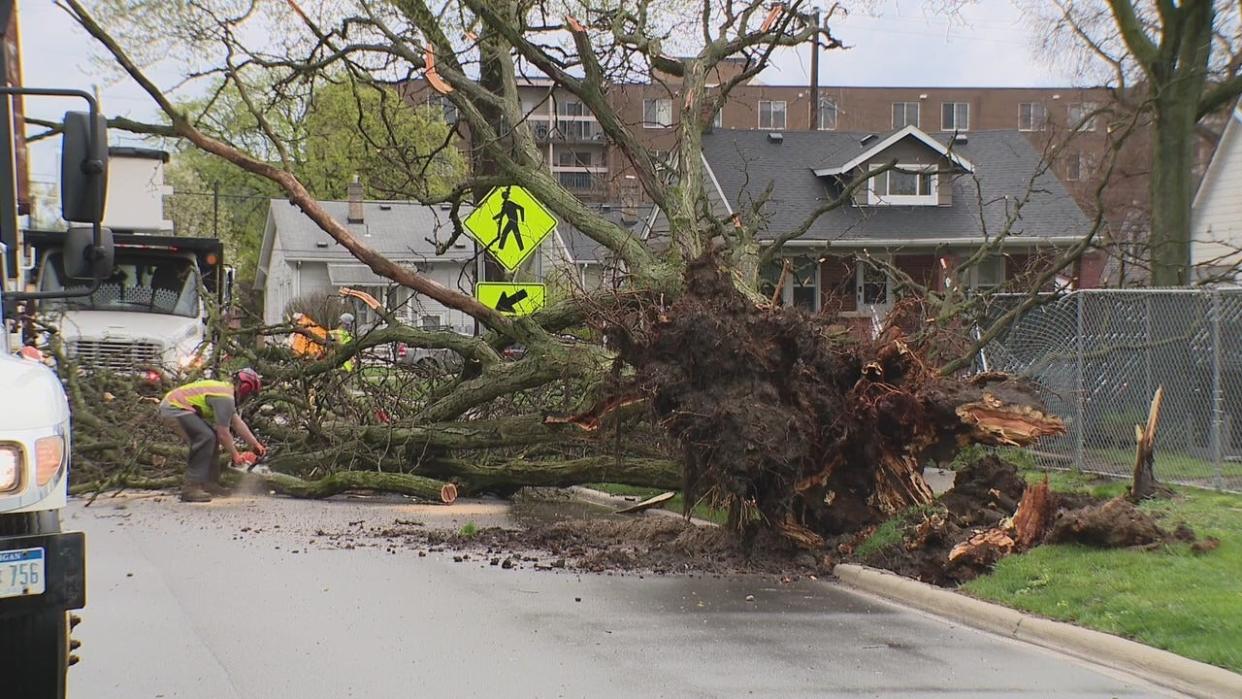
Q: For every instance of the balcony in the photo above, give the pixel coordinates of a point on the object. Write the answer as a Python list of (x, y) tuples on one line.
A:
[(566, 129)]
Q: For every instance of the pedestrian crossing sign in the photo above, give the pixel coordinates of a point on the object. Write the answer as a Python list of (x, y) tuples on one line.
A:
[(510, 223)]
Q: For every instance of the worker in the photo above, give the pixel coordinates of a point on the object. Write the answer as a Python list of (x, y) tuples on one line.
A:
[(342, 336), (310, 342), (205, 414)]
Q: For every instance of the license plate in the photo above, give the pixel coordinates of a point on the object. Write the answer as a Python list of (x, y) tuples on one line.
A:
[(21, 572)]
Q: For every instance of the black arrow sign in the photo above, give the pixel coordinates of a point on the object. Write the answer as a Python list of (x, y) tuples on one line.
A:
[(507, 303)]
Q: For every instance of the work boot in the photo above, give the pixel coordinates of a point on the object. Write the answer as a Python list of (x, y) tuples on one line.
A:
[(217, 489), (195, 492)]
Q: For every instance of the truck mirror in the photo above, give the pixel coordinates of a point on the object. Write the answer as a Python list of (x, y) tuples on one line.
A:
[(82, 259), (83, 167)]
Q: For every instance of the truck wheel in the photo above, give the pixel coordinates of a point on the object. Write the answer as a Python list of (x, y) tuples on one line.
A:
[(35, 651), (34, 647)]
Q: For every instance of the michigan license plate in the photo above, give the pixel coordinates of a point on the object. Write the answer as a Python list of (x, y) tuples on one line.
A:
[(21, 572)]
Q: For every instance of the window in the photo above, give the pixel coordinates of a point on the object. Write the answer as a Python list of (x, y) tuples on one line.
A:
[(576, 180), (800, 286), (827, 115), (1032, 116), (1073, 165), (718, 119), (955, 116), (908, 184), (429, 322), (570, 108), (988, 274), (874, 288), (657, 113), (573, 158), (905, 114), (1082, 116), (446, 107), (771, 114)]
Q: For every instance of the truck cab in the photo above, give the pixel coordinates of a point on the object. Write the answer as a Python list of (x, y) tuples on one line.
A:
[(150, 314)]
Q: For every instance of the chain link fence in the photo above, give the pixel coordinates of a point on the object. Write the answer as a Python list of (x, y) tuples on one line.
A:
[(1099, 355)]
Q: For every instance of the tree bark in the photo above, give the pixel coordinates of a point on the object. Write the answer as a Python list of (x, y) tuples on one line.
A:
[(1172, 190)]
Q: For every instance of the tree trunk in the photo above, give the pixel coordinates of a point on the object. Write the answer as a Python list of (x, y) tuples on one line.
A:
[(1172, 189)]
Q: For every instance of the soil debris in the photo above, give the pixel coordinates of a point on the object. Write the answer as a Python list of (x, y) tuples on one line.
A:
[(1116, 523)]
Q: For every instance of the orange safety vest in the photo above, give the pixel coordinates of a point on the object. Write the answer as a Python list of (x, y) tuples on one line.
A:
[(193, 396), (302, 345)]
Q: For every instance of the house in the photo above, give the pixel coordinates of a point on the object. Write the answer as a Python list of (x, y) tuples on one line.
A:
[(1216, 218), (584, 264), (951, 194), (297, 259)]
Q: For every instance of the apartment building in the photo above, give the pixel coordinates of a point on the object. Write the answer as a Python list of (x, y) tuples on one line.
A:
[(579, 153)]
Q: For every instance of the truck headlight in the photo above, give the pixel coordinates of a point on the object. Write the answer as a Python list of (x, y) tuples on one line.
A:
[(49, 456), (10, 467)]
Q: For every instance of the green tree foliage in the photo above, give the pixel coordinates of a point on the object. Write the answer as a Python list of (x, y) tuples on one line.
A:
[(338, 131), (397, 150)]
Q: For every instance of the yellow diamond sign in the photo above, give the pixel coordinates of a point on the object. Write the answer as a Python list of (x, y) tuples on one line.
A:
[(510, 299), (510, 223)]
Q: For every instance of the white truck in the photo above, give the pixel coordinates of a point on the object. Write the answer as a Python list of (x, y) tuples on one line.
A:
[(42, 569), (149, 315)]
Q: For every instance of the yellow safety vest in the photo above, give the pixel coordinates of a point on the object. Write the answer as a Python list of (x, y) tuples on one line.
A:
[(193, 396), (342, 337)]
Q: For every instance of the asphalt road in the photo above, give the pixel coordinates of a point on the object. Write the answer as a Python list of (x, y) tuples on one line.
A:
[(183, 603)]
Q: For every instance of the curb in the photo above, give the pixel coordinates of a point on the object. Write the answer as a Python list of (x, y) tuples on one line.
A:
[(602, 499), (1161, 667)]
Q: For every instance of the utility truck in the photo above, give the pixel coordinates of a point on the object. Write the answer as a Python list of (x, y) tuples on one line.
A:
[(42, 568)]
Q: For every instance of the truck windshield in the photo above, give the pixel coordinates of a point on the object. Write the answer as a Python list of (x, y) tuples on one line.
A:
[(140, 283)]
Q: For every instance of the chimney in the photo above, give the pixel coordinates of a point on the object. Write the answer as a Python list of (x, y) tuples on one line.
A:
[(355, 201)]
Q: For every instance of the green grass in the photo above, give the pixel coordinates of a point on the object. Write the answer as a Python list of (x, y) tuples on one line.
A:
[(1170, 598), (886, 536), (677, 504), (469, 529), (1169, 465)]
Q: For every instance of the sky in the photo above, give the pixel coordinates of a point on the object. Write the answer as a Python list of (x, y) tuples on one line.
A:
[(897, 43)]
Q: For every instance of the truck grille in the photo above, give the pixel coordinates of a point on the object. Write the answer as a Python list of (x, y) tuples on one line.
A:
[(115, 355)]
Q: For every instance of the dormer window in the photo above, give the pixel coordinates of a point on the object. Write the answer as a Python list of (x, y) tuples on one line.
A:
[(905, 185)]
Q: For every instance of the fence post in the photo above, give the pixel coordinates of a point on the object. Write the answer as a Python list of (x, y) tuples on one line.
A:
[(1080, 393), (1218, 413)]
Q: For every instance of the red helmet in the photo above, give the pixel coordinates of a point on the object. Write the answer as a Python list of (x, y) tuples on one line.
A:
[(247, 382)]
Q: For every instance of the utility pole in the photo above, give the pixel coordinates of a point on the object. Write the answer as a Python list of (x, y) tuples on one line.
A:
[(814, 125), (11, 178)]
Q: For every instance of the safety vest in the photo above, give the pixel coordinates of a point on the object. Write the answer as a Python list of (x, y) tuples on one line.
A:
[(193, 396), (342, 337)]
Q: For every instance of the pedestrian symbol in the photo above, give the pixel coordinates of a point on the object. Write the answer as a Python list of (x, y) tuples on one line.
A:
[(510, 223), (510, 299)]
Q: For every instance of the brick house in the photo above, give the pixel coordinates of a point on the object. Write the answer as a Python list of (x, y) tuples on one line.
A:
[(950, 195)]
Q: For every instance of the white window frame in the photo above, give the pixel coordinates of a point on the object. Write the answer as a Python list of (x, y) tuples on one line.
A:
[(1085, 120), (827, 104), (1035, 125), (905, 112), (718, 119), (955, 127), (861, 269), (772, 115), (932, 198), (662, 110)]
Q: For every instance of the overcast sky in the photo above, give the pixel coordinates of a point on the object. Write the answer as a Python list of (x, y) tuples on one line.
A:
[(988, 44)]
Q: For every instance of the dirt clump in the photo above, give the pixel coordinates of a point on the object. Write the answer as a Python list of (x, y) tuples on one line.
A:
[(984, 491), (1116, 523)]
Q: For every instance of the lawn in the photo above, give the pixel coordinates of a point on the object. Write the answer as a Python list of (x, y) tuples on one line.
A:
[(1170, 466), (1170, 598), (677, 504)]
